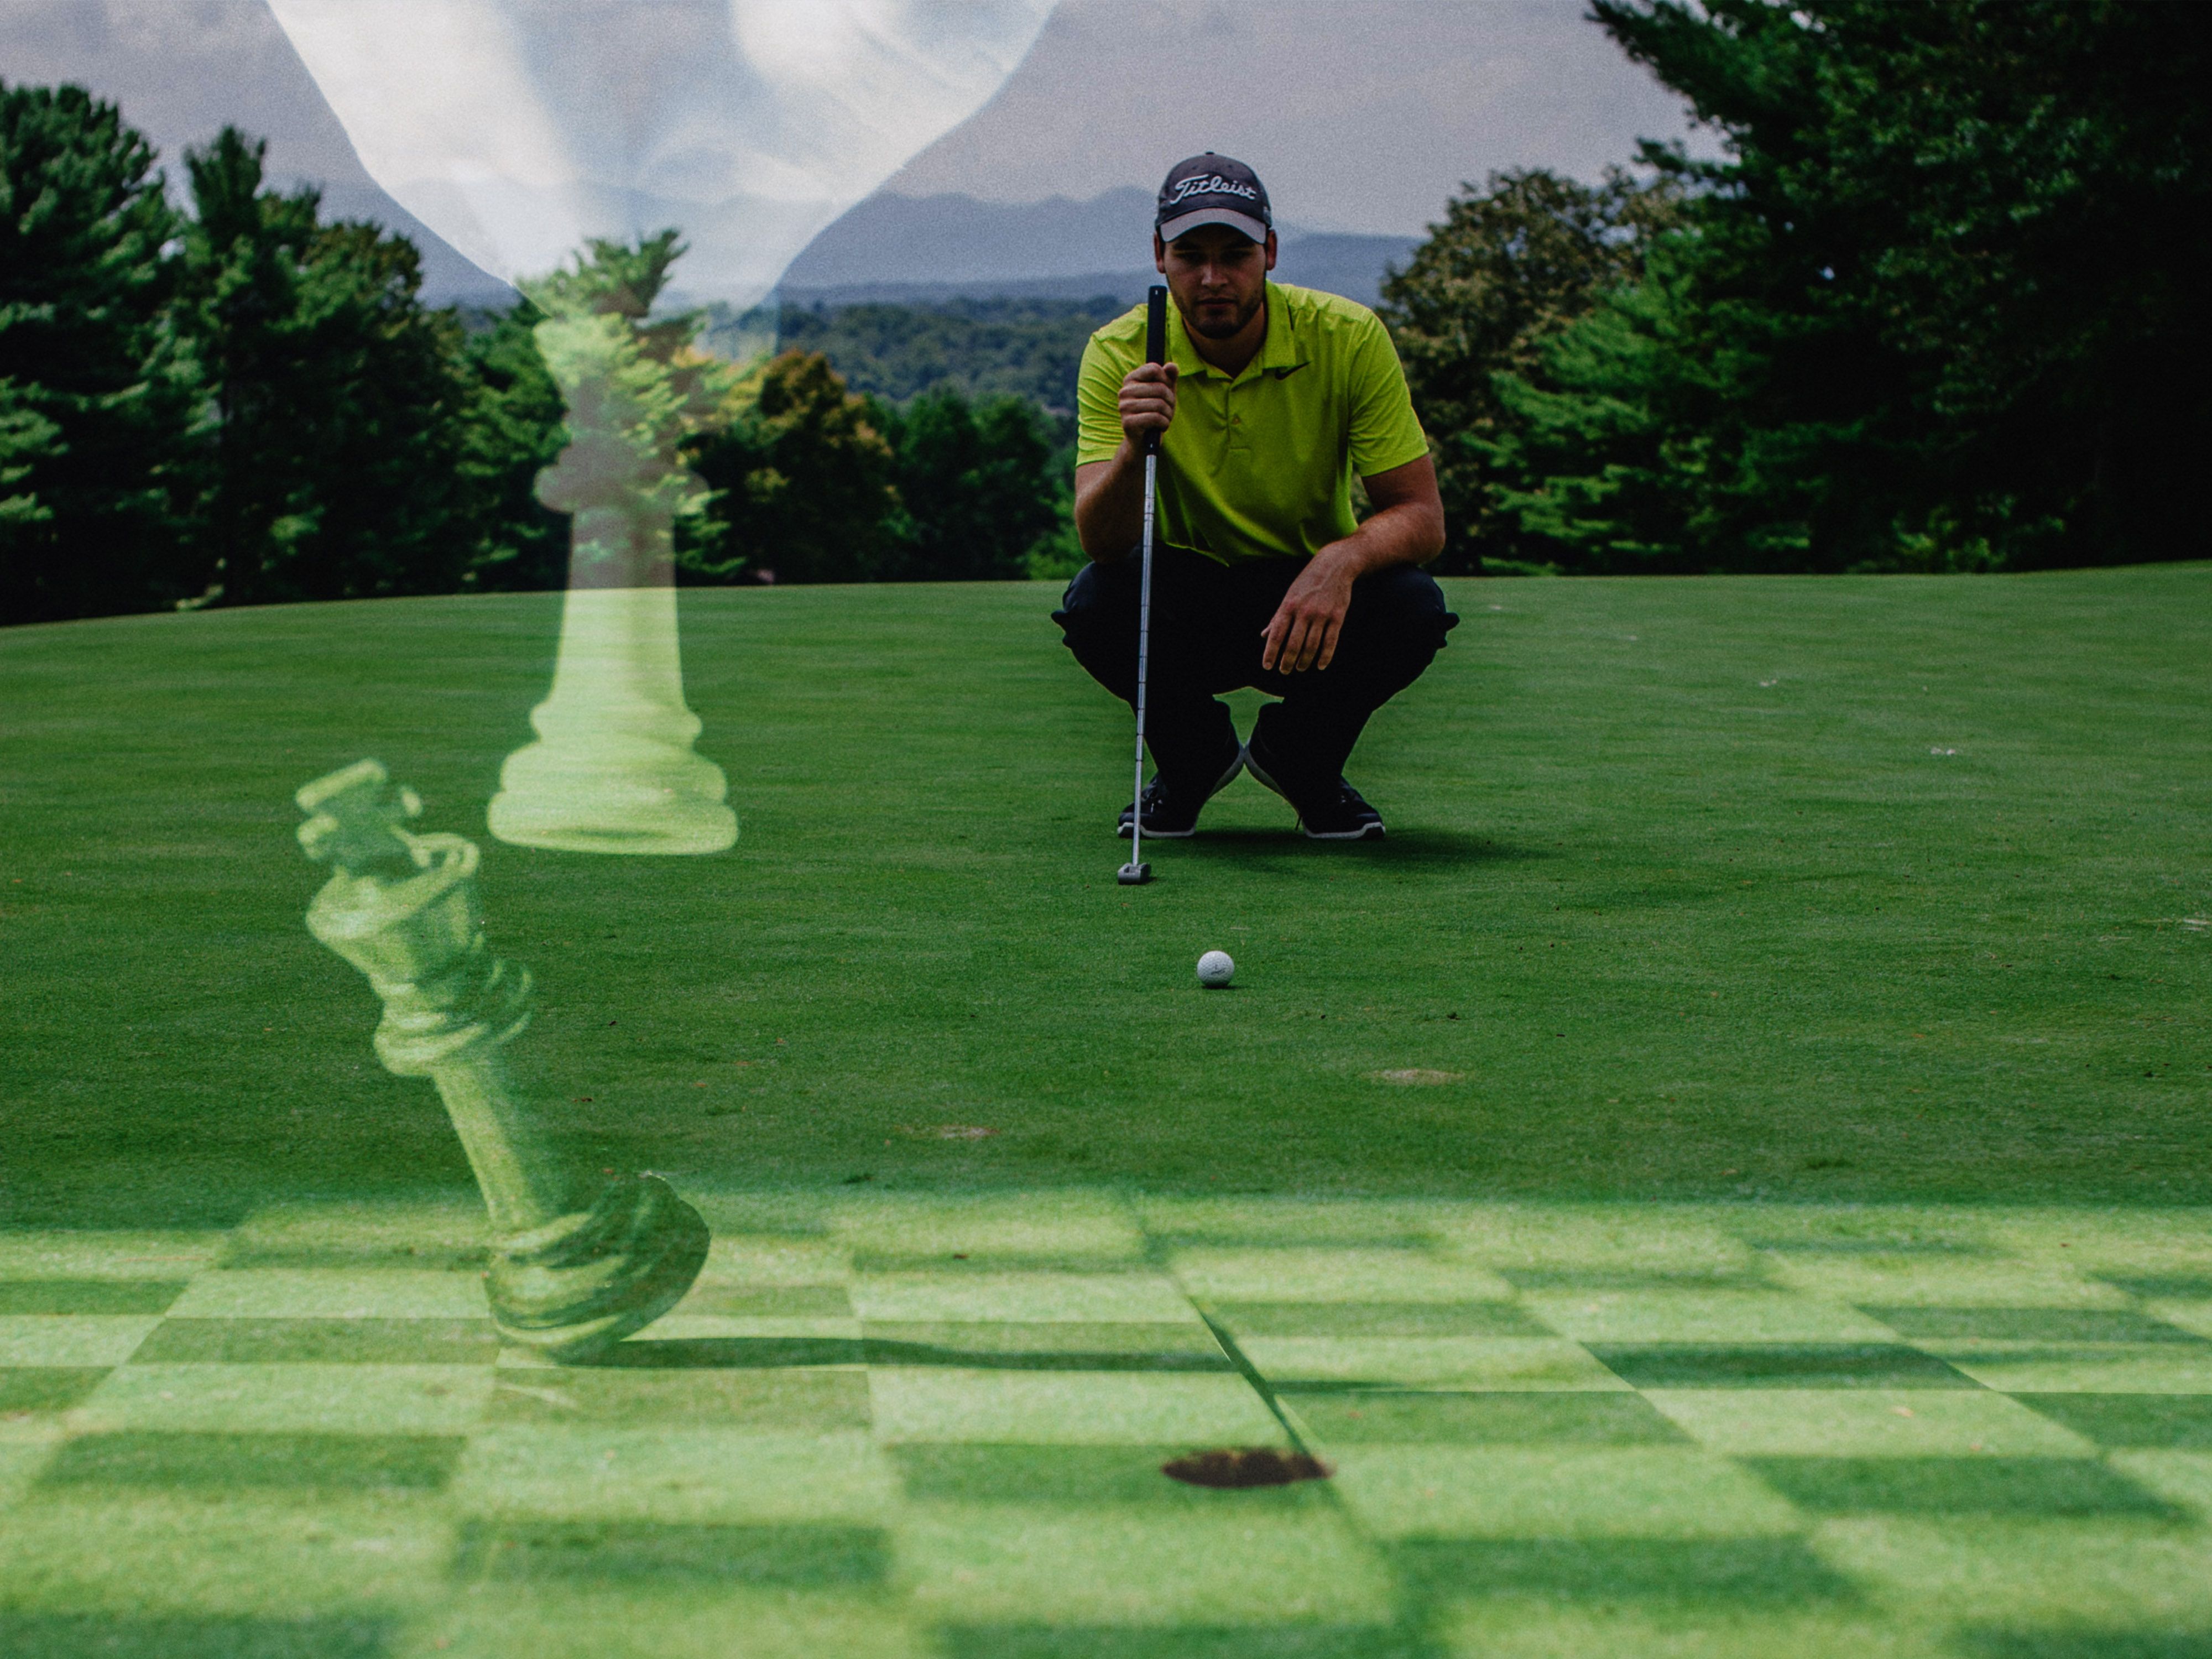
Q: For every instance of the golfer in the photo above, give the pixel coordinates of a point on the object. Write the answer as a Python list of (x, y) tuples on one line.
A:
[(1271, 398)]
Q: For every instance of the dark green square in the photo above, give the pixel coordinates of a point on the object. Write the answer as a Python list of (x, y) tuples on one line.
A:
[(187, 1636), (2166, 1287), (1776, 1571), (799, 1555), (1382, 1417), (1072, 1476), (89, 1295), (2083, 1642), (2168, 1422), (320, 1341), (348, 1462), (1044, 1346), (46, 1387), (1778, 1365), (1958, 1485), (2029, 1325), (1359, 1319), (709, 1398), (1283, 1641)]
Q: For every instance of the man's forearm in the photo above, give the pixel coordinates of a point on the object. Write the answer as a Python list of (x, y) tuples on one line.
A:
[(1411, 532), (1109, 505)]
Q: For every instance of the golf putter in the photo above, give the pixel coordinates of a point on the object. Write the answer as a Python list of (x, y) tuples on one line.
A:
[(1136, 871)]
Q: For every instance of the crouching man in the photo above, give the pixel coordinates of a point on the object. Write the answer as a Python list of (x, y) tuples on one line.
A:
[(1271, 398)]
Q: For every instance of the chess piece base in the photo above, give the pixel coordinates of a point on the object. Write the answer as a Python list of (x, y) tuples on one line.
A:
[(613, 769), (574, 1287)]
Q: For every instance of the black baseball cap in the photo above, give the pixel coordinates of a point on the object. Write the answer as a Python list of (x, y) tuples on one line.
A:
[(1212, 189)]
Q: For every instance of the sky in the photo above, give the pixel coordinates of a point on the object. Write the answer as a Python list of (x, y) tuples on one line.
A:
[(1361, 115)]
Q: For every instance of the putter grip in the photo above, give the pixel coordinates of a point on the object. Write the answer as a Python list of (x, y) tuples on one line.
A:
[(1156, 342)]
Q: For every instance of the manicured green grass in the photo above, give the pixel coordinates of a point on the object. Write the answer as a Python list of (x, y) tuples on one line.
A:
[(1788, 1252), (1789, 889)]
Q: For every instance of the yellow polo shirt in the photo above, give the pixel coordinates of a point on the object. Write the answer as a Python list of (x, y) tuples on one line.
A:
[(1259, 466)]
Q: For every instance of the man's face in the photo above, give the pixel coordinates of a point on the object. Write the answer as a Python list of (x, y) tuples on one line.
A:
[(1218, 276)]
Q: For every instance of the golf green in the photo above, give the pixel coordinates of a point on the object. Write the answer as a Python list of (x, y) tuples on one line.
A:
[(1726, 1176)]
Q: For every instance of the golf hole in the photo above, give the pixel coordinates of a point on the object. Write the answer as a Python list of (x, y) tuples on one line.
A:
[(1417, 1076), (1245, 1466)]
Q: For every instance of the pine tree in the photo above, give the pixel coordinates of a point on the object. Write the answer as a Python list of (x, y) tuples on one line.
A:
[(95, 400), (334, 437)]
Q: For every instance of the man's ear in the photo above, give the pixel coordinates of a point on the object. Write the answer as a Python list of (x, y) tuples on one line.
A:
[(1160, 254), (1271, 250)]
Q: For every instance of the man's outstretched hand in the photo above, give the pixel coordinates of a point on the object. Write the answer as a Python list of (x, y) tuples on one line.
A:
[(1302, 632)]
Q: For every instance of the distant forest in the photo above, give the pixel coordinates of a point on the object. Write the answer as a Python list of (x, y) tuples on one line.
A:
[(982, 347), (1937, 305)]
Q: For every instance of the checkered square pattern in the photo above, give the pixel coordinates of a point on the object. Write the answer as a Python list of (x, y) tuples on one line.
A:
[(900, 1424)]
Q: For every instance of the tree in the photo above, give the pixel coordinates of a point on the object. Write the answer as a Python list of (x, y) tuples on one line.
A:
[(334, 440), (1510, 266), (96, 399), (976, 486), (1938, 307), (802, 482), (514, 429)]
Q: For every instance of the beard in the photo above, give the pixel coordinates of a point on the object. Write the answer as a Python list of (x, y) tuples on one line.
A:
[(1228, 329)]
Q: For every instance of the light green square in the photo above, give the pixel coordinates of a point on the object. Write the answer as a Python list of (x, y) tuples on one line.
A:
[(2111, 1239), (290, 1399), (1346, 1274), (333, 1293), (1864, 1422), (35, 1253), (1068, 1408), (688, 1475), (1140, 1565), (1500, 1363), (1701, 1315), (243, 1556), (663, 1620), (2112, 1368), (1545, 1492), (72, 1339), (1022, 1298), (1941, 1280), (680, 1327), (1048, 1226), (1656, 1239), (2106, 1574), (1515, 1627), (757, 1261)]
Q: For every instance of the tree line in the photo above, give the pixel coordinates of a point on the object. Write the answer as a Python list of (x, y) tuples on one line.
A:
[(1935, 305), (1939, 305), (236, 402)]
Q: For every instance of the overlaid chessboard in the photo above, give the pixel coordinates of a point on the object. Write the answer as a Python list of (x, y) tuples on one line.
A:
[(907, 1425)]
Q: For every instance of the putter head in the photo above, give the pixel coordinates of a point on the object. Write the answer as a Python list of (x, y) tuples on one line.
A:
[(1133, 875)]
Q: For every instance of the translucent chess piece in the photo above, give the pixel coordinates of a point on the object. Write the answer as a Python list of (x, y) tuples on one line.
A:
[(578, 1262)]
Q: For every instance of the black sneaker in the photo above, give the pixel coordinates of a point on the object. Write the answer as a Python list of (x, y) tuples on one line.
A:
[(1171, 814), (1336, 812)]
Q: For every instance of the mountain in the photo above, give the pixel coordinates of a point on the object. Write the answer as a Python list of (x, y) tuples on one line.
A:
[(919, 249)]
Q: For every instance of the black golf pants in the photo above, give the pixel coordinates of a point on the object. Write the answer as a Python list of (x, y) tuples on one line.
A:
[(1207, 619)]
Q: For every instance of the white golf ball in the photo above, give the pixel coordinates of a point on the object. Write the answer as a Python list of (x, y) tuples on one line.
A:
[(1215, 970)]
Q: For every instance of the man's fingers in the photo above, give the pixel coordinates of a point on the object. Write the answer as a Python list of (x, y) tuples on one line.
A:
[(1329, 637), (1272, 636)]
